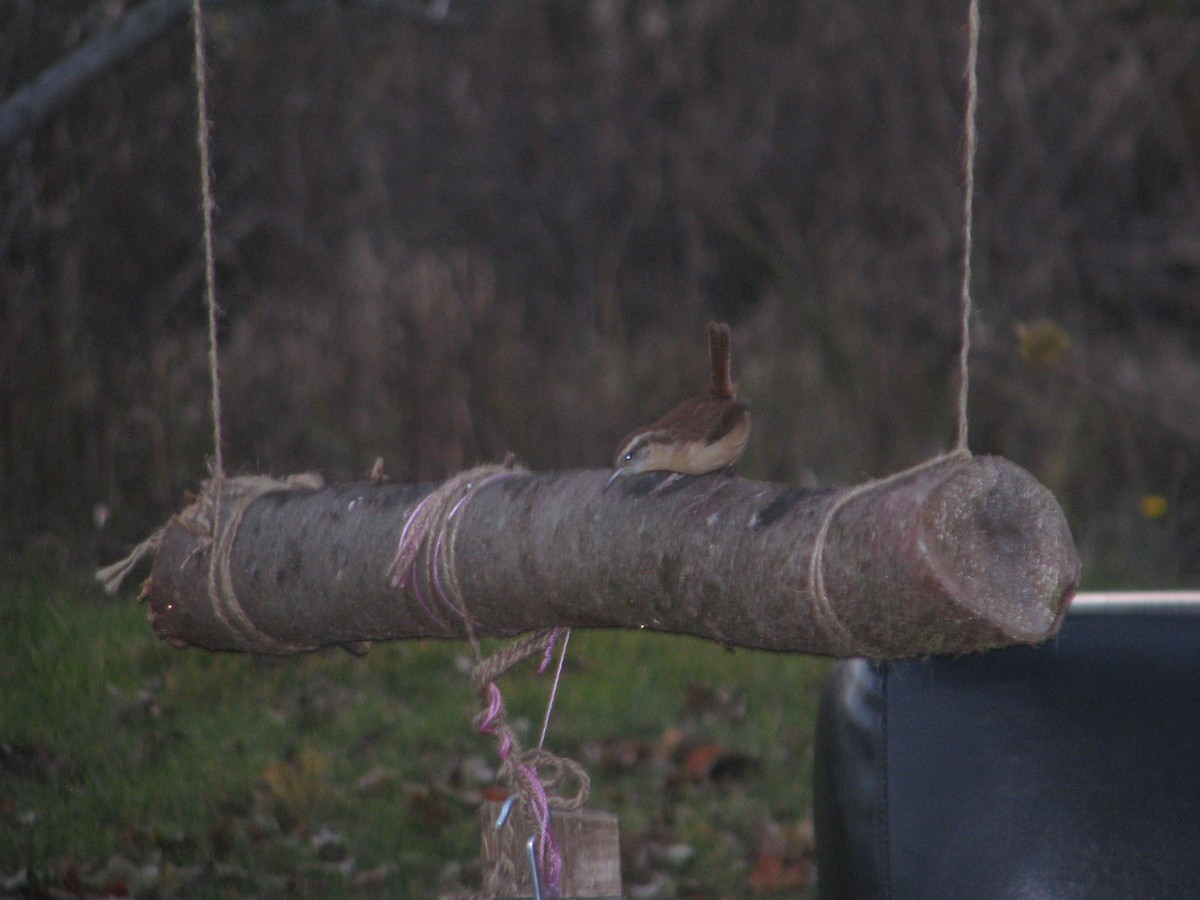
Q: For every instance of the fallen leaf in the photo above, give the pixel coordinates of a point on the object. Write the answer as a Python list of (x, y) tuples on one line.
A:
[(772, 874), (698, 762)]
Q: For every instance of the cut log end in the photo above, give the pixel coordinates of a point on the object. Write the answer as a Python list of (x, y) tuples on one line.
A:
[(1001, 543), (952, 558)]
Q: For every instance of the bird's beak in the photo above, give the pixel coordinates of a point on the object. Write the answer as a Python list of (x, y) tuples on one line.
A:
[(614, 476)]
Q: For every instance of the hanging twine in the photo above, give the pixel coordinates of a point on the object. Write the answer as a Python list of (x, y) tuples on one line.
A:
[(969, 142), (111, 577), (207, 203), (824, 610), (217, 591)]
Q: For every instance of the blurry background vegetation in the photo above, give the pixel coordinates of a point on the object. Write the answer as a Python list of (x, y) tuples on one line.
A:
[(440, 243)]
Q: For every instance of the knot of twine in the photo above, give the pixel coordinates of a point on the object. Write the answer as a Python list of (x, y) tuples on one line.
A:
[(825, 614), (428, 536), (215, 519), (533, 775)]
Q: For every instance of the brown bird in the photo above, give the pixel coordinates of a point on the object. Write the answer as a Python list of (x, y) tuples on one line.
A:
[(702, 434)]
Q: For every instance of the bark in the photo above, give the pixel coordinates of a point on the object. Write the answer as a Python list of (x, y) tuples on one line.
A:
[(958, 556)]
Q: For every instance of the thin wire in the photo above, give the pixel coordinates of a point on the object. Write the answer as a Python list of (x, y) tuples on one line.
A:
[(206, 210), (562, 655), (968, 205)]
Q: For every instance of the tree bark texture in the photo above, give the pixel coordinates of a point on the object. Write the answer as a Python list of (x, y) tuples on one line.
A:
[(960, 555)]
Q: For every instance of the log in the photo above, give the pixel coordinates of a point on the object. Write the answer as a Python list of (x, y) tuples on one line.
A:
[(962, 554)]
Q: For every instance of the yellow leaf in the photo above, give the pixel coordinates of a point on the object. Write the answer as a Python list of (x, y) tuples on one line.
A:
[(295, 786), (1153, 506), (1042, 342)]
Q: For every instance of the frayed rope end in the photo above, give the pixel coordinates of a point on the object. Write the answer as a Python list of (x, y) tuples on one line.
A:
[(112, 577)]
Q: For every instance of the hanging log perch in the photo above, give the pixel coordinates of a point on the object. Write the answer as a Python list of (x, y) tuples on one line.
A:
[(961, 554)]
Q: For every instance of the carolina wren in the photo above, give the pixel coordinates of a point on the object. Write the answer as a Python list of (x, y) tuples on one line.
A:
[(702, 434)]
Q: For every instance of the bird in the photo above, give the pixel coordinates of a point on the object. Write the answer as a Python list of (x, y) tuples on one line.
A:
[(702, 434)]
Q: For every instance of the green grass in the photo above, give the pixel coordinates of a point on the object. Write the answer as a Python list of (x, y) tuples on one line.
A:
[(126, 763)]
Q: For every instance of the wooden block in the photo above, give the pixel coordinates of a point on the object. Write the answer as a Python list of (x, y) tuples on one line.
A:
[(588, 840)]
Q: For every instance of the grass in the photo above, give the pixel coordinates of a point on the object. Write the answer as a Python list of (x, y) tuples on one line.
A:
[(126, 765)]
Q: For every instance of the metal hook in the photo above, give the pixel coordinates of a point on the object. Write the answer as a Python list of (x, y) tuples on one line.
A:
[(535, 880), (505, 810)]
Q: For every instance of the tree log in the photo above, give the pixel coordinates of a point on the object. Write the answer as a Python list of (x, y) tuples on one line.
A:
[(960, 555)]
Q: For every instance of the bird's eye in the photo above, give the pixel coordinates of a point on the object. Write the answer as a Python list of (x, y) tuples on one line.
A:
[(629, 456)]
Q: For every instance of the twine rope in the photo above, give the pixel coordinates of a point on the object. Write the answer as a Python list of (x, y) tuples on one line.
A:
[(825, 613), (111, 577), (428, 535), (217, 571), (969, 143), (207, 203), (219, 539)]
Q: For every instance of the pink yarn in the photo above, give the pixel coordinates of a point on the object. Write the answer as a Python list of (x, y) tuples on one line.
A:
[(429, 521), (529, 787)]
